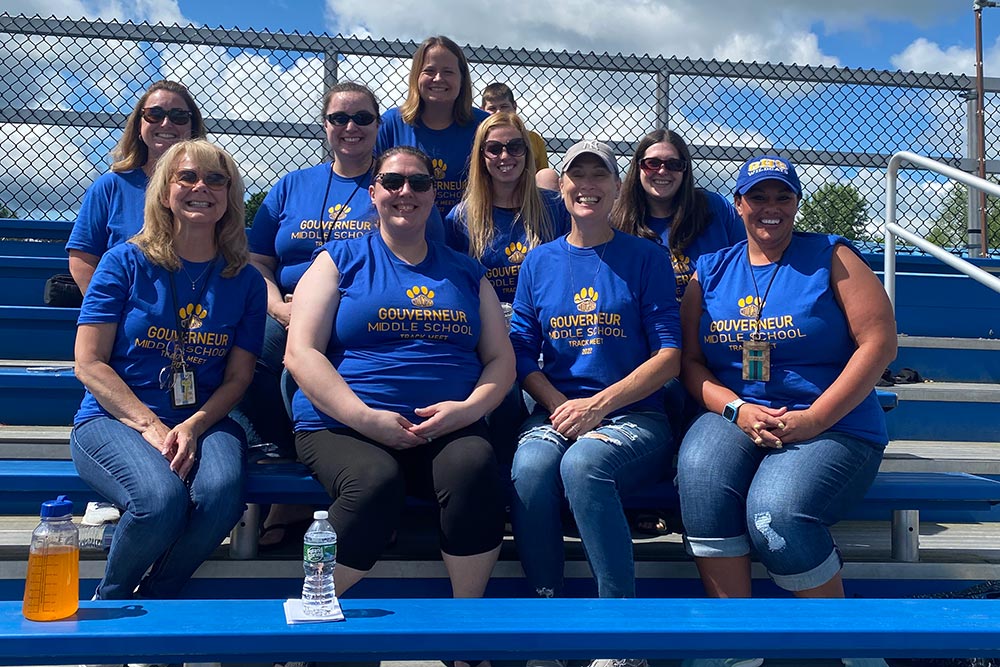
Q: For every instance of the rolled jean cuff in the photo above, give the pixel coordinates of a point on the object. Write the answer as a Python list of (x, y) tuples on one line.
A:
[(717, 547), (817, 576)]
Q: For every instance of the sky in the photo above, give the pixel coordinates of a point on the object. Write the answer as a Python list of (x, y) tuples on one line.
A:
[(910, 35)]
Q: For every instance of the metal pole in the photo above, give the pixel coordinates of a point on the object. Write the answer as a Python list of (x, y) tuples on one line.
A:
[(983, 247)]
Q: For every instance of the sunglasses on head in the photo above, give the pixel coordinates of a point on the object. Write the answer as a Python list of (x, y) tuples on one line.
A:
[(213, 180), (340, 118), (514, 148), (156, 115), (654, 164), (393, 182)]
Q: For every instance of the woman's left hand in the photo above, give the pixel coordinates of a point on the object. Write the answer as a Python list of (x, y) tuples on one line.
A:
[(796, 426), (441, 419), (576, 416), (181, 446)]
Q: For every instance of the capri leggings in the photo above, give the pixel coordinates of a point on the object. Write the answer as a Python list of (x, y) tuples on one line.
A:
[(369, 483)]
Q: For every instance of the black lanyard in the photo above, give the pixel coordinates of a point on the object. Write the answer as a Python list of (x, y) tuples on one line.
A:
[(343, 207), (181, 329)]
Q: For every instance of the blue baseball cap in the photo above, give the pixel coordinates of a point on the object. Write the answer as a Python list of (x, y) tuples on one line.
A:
[(767, 168)]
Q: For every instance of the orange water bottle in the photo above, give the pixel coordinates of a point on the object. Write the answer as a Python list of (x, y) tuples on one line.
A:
[(52, 587)]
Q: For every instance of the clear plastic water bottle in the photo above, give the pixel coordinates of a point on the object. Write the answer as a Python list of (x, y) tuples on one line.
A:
[(319, 558), (52, 587)]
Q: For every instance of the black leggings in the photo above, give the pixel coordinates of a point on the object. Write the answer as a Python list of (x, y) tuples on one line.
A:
[(369, 483)]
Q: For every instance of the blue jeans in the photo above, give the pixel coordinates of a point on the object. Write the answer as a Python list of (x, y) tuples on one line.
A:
[(169, 526), (621, 454), (260, 412), (780, 502)]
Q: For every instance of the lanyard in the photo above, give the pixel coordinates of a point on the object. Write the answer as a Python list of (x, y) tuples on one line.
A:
[(181, 329)]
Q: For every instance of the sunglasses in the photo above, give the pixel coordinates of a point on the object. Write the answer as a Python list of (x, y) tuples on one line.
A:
[(339, 118), (514, 148), (654, 164), (394, 182), (213, 180), (156, 115)]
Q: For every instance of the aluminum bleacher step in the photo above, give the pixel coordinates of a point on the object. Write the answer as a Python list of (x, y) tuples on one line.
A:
[(946, 411), (948, 359)]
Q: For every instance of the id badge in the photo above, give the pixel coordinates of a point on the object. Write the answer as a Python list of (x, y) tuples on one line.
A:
[(756, 360), (182, 391)]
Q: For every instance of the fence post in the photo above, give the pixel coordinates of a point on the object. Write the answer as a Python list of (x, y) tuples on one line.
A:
[(662, 100), (974, 237), (330, 76)]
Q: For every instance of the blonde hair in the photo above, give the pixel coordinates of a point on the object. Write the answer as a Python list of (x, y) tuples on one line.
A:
[(131, 151), (411, 109), (156, 238), (477, 202)]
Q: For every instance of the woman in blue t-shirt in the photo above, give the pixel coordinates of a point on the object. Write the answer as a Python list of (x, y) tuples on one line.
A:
[(112, 208), (166, 343), (599, 307), (399, 349), (785, 335), (437, 117)]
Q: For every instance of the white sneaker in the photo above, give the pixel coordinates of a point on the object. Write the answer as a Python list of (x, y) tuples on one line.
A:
[(619, 662), (864, 662), (546, 663), (99, 513), (723, 662)]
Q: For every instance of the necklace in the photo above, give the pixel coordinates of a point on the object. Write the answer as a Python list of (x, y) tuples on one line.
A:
[(757, 350), (343, 207), (586, 297), (194, 281)]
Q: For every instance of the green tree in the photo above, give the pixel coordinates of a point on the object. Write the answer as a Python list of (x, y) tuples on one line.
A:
[(950, 227), (252, 205), (835, 209), (6, 212)]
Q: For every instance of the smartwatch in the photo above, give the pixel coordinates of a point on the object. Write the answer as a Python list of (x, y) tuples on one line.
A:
[(732, 410)]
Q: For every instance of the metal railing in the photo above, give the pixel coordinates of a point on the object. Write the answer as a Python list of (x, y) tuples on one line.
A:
[(892, 230)]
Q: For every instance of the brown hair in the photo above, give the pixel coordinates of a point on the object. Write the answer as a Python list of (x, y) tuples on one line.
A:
[(349, 87), (131, 151), (411, 109), (496, 92)]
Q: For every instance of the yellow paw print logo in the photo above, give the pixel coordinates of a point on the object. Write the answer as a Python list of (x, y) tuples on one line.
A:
[(338, 211), (440, 168), (421, 296), (192, 316), (516, 252), (586, 300), (750, 306), (682, 263)]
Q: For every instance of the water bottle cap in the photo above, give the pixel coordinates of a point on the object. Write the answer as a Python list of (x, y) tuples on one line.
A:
[(61, 506), (320, 515)]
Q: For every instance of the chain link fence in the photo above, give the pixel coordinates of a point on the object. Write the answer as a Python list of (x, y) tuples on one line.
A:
[(68, 86)]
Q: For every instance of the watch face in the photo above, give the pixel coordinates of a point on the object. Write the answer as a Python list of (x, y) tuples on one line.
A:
[(729, 412)]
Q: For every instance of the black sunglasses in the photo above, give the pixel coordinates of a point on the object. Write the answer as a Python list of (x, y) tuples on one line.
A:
[(213, 180), (156, 115), (514, 148), (340, 118), (653, 164), (393, 182)]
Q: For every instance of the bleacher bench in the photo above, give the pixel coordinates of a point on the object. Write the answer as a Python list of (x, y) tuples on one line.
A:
[(26, 483), (221, 631)]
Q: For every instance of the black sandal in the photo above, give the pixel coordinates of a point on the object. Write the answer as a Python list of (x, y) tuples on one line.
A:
[(291, 532)]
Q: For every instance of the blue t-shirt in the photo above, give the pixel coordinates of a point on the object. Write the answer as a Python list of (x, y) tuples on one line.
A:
[(510, 241), (724, 229), (405, 336), (595, 314), (134, 293), (111, 212), (810, 340), (292, 221), (449, 149)]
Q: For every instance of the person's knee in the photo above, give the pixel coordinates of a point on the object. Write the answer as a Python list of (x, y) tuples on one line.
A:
[(379, 482), (537, 459), (163, 503)]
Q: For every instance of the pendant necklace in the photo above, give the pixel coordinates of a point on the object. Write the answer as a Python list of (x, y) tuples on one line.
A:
[(757, 350), (194, 281)]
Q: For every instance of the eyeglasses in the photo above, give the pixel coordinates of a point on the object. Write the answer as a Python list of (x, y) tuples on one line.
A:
[(654, 164), (514, 148), (340, 118), (213, 180), (393, 182), (156, 115)]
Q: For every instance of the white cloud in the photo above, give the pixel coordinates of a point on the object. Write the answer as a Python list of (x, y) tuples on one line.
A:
[(925, 56), (154, 11)]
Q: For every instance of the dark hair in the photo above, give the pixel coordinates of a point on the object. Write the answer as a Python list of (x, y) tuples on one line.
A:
[(402, 150), (690, 204), (498, 91), (413, 106), (131, 151), (349, 87)]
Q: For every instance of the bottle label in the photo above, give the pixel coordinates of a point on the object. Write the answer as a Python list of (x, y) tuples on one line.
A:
[(319, 553)]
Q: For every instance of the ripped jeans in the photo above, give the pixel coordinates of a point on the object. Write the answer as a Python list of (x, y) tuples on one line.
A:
[(780, 502), (623, 453)]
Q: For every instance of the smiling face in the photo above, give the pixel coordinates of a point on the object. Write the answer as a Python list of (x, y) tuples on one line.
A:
[(768, 210), (402, 212), (189, 199), (351, 140), (158, 137), (506, 168), (589, 189), (662, 185), (440, 80)]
